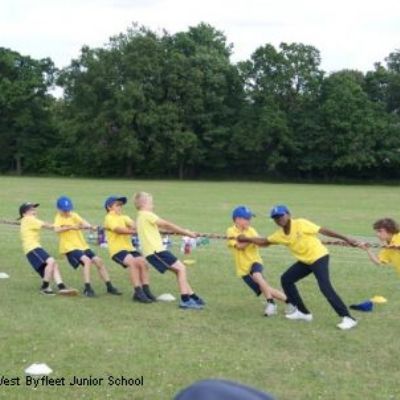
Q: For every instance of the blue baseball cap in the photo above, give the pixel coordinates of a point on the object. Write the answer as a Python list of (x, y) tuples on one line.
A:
[(278, 211), (217, 389), (112, 199), (64, 203), (242, 212), (365, 306)]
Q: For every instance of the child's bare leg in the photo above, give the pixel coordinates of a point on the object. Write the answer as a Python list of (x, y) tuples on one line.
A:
[(144, 271), (101, 269), (87, 263), (268, 291), (277, 294), (133, 265), (48, 271), (180, 271), (56, 271)]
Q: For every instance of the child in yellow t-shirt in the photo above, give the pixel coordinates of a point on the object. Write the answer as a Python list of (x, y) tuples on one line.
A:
[(68, 224), (119, 230), (40, 260), (388, 232), (148, 225), (300, 236), (248, 260)]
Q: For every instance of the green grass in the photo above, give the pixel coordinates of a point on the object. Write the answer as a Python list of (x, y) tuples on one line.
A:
[(230, 339)]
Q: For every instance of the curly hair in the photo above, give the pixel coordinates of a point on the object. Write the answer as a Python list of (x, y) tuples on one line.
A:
[(389, 224)]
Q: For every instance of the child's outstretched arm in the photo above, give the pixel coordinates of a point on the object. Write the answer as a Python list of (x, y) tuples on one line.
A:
[(255, 240), (122, 230), (329, 233), (59, 229), (372, 256), (87, 225), (47, 225), (163, 224)]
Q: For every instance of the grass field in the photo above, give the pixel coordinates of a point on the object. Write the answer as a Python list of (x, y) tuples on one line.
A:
[(171, 348)]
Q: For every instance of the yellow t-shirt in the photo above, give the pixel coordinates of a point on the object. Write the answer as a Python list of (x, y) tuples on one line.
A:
[(302, 241), (118, 241), (30, 233), (391, 256), (149, 235), (246, 257), (70, 240)]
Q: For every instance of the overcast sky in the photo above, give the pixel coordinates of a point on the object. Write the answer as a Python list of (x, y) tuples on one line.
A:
[(349, 34)]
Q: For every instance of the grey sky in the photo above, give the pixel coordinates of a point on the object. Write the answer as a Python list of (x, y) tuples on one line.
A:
[(349, 34)]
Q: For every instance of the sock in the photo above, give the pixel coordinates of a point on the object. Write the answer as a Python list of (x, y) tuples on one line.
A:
[(185, 297), (61, 286), (272, 301), (87, 286), (194, 296), (109, 285), (138, 289), (45, 285)]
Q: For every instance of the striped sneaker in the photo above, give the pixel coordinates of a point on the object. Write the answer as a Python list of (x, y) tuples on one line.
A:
[(48, 291)]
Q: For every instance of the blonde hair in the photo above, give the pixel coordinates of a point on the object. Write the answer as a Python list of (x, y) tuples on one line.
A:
[(140, 198)]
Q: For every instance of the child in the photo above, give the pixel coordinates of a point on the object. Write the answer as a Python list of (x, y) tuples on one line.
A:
[(248, 260), (300, 236), (388, 232), (72, 244), (119, 230), (40, 260), (148, 224)]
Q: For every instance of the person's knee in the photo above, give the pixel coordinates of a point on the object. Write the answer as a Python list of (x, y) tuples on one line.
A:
[(179, 268), (87, 262), (98, 262), (285, 279)]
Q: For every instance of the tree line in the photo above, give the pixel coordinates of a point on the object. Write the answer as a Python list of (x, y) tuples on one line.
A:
[(153, 104)]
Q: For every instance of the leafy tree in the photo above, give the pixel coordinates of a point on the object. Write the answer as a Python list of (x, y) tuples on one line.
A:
[(354, 127), (26, 126)]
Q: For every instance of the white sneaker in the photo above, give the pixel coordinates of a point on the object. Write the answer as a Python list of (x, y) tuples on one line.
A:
[(270, 309), (300, 316), (347, 323), (290, 308)]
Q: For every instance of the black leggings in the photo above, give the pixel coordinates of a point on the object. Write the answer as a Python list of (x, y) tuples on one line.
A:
[(320, 269)]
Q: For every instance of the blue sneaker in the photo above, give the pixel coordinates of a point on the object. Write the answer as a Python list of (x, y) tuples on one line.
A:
[(190, 304), (200, 301)]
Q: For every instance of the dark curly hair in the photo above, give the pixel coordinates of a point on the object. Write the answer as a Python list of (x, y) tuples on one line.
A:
[(389, 224)]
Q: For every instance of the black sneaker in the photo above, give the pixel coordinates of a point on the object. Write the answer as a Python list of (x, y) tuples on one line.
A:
[(141, 297), (149, 295), (114, 290), (89, 292)]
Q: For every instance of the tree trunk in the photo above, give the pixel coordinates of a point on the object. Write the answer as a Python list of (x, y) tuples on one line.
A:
[(18, 164), (128, 169), (181, 170)]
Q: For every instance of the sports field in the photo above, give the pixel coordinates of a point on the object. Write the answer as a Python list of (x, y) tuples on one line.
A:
[(171, 348)]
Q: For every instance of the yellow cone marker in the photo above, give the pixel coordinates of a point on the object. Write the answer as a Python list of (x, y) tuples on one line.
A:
[(378, 299)]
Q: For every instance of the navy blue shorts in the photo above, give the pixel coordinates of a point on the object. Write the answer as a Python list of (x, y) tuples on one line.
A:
[(38, 259), (74, 256), (120, 256), (256, 267), (162, 260)]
